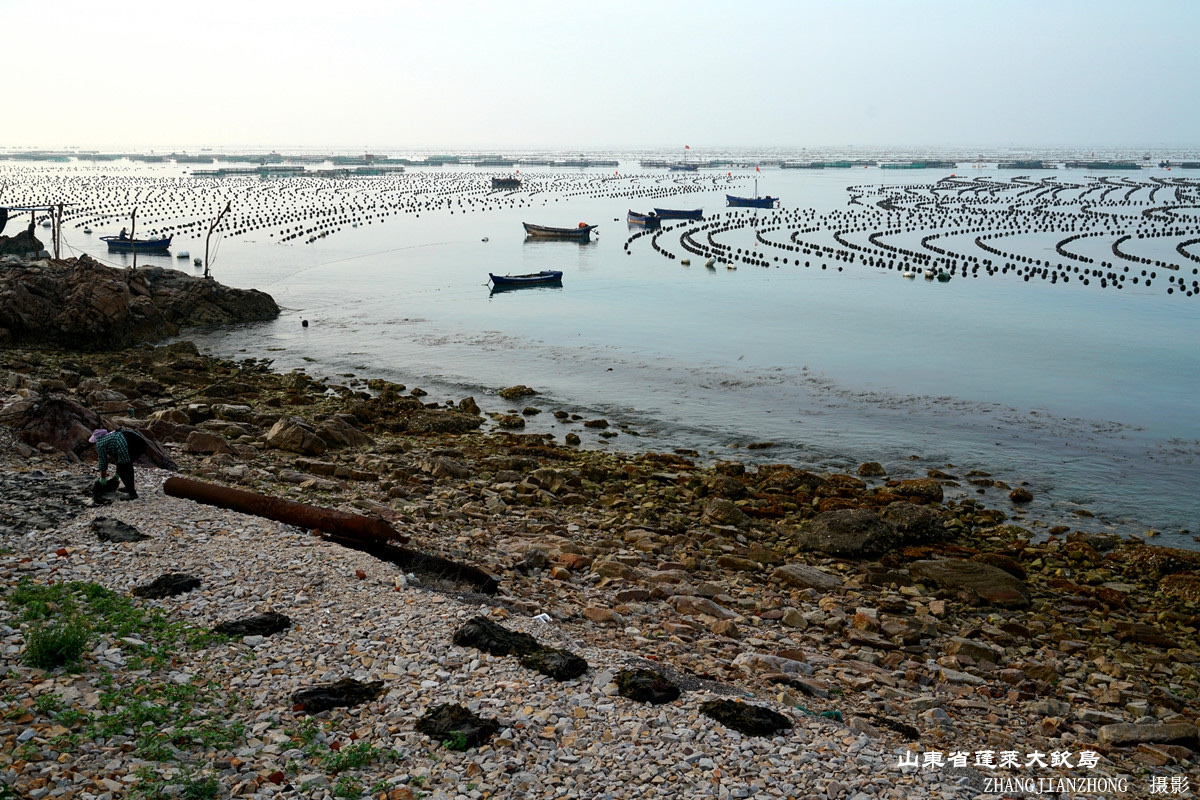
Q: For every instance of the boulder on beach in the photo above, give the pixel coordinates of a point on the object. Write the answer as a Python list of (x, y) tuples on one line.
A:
[(981, 583), (849, 533), (297, 436)]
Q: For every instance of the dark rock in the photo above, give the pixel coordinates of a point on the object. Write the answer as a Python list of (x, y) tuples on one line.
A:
[(903, 728), (917, 524), (1006, 563), (1020, 495), (646, 686), (168, 585), (22, 244), (745, 718), (455, 724), (297, 436), (261, 625), (871, 469), (979, 582), (1125, 733), (514, 392), (483, 634), (1150, 563), (346, 692), (81, 304), (805, 577), (719, 511), (724, 486), (927, 490), (849, 533), (555, 663), (108, 529)]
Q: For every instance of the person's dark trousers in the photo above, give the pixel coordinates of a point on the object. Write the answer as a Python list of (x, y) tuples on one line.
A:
[(125, 473), (137, 447)]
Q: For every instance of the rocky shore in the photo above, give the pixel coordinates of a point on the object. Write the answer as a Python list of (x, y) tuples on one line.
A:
[(81, 304), (912, 641)]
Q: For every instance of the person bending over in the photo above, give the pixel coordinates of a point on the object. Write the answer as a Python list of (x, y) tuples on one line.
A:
[(122, 448)]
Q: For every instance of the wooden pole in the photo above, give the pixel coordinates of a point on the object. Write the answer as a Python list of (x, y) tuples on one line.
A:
[(212, 228), (132, 235), (57, 230)]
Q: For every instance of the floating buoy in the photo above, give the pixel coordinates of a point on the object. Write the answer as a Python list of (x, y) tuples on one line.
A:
[(303, 323), (710, 262), (484, 239), (196, 261), (183, 254), (87, 230), (687, 262)]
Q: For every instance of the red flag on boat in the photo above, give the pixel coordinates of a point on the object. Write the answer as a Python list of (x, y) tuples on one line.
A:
[(687, 147), (758, 169)]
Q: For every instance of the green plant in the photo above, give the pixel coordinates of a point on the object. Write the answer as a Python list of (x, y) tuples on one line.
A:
[(48, 703), (347, 787), (456, 740), (356, 755), (53, 646), (200, 788)]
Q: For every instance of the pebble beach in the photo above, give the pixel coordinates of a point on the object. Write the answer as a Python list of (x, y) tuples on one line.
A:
[(897, 682)]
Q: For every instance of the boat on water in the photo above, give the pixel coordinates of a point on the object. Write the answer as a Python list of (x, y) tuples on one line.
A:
[(127, 245), (751, 202), (582, 233), (650, 220), (732, 201), (506, 183), (547, 277), (683, 167), (679, 213)]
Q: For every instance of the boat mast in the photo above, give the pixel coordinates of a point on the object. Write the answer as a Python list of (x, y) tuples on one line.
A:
[(211, 228), (132, 236)]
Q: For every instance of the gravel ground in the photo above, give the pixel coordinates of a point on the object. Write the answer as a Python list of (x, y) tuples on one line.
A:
[(356, 617)]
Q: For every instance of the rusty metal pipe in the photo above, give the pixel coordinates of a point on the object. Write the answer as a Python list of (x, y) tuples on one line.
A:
[(340, 523)]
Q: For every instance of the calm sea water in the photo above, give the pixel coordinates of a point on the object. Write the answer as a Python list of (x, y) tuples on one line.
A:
[(1088, 395)]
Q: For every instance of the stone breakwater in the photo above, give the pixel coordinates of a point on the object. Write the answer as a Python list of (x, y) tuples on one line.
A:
[(915, 624), (82, 304)]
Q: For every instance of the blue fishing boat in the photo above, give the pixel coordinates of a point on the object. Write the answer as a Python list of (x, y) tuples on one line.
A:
[(582, 233), (677, 213), (751, 202), (547, 277), (644, 220), (733, 201), (127, 245)]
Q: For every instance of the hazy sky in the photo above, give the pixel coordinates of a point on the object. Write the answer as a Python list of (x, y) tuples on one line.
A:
[(370, 74)]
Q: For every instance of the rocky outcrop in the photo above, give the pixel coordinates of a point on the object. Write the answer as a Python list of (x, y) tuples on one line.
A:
[(81, 304), (23, 244)]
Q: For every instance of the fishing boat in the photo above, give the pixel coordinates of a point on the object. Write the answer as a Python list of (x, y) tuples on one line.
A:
[(506, 183), (547, 277), (645, 220), (751, 202), (580, 234), (731, 201), (678, 213), (128, 245)]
